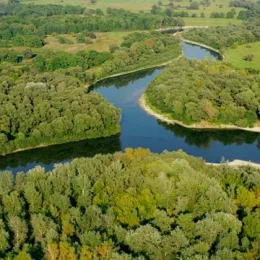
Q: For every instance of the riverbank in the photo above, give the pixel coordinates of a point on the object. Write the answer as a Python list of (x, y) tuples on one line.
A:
[(199, 126), (158, 65), (204, 46), (54, 144), (87, 86), (237, 164)]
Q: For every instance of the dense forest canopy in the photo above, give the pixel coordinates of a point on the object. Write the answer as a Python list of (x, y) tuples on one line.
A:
[(38, 27), (142, 49), (193, 91), (132, 205), (51, 108), (225, 37), (42, 108), (253, 8), (136, 51)]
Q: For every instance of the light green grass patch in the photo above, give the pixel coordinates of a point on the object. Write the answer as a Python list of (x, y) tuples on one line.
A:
[(141, 5), (146, 5), (210, 21), (102, 43), (236, 56)]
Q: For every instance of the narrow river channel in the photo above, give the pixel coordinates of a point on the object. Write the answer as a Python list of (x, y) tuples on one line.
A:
[(138, 129)]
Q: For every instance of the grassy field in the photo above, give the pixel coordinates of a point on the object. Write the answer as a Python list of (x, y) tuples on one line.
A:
[(141, 5), (236, 56), (3, 2), (102, 43), (189, 21)]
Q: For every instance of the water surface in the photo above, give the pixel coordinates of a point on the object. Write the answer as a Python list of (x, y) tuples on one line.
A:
[(139, 129)]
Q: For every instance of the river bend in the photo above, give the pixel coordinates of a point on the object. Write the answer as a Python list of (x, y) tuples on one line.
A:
[(138, 129)]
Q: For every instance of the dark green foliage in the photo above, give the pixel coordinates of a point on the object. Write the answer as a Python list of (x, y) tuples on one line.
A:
[(230, 15), (224, 37), (253, 8), (249, 57), (192, 91), (142, 49), (217, 15), (132, 205), (194, 6), (51, 108), (243, 15), (31, 30), (22, 10)]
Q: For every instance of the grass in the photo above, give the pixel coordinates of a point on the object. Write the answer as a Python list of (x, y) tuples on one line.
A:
[(236, 56), (140, 5), (189, 21), (102, 43)]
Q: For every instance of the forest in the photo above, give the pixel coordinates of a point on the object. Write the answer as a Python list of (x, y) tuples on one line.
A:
[(132, 205), (107, 204), (136, 51), (34, 26), (213, 92), (50, 108), (226, 37), (42, 107)]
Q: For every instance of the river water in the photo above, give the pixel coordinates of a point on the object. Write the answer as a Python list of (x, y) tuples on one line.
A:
[(138, 129)]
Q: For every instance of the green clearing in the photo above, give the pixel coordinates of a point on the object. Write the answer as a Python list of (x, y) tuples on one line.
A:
[(142, 5), (236, 56), (189, 21), (102, 43)]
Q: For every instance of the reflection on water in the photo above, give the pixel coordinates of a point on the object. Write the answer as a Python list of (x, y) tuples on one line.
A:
[(124, 80), (47, 156), (205, 138), (196, 52), (138, 129)]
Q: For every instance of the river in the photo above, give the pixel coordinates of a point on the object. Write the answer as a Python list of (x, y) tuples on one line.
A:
[(138, 129)]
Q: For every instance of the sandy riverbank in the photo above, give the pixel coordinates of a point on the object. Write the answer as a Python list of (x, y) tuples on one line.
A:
[(237, 163), (198, 126)]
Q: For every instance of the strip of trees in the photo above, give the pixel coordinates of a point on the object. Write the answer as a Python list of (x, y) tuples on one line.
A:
[(136, 51), (215, 92), (30, 29), (226, 37)]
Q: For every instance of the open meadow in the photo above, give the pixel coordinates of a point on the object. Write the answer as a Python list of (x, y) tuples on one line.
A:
[(102, 43), (238, 55), (190, 21), (219, 6)]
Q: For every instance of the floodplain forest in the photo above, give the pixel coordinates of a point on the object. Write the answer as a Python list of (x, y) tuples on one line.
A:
[(213, 92), (132, 205)]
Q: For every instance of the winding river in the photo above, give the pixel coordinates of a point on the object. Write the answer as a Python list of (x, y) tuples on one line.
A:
[(138, 129)]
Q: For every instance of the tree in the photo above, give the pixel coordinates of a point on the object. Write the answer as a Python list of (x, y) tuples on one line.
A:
[(13, 204), (194, 6), (22, 255), (40, 63), (252, 224), (66, 252), (4, 238), (230, 15), (145, 239), (249, 57), (19, 230)]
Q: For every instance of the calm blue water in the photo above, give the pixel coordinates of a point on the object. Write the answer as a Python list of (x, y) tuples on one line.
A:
[(139, 129)]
